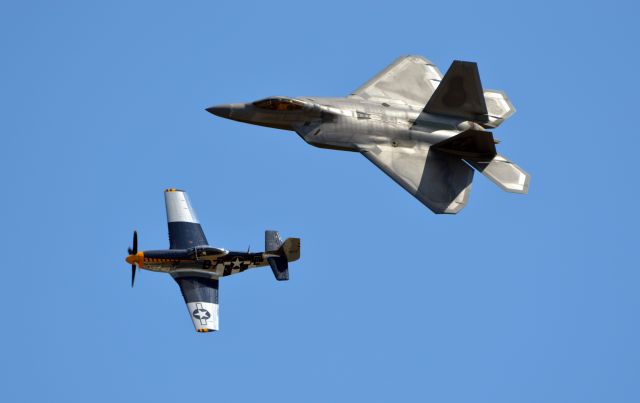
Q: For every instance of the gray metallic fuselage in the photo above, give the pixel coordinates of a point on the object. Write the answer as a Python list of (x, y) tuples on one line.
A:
[(349, 124), (426, 131)]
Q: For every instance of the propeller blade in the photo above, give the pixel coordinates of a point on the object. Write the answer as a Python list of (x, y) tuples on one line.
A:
[(133, 274), (130, 251), (135, 242)]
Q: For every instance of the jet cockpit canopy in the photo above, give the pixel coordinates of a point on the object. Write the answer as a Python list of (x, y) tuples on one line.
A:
[(279, 104)]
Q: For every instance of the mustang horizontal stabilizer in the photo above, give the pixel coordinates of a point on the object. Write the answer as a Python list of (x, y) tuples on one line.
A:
[(504, 173), (279, 267), (470, 144), (201, 296), (184, 228), (441, 181), (459, 94)]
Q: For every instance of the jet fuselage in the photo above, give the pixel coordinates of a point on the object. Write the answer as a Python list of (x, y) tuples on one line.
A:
[(345, 122)]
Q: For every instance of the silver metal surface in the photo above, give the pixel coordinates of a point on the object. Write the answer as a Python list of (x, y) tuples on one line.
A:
[(397, 121), (178, 207)]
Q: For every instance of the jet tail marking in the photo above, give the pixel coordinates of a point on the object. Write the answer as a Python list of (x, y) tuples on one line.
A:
[(459, 94)]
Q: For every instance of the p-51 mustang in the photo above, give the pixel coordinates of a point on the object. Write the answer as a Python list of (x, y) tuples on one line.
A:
[(197, 267), (426, 131)]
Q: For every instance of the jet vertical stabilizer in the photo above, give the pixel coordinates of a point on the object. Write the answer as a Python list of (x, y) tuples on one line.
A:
[(477, 148), (459, 94)]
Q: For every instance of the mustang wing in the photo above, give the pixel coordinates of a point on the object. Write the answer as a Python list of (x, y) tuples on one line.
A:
[(410, 79), (201, 296), (184, 228), (441, 181)]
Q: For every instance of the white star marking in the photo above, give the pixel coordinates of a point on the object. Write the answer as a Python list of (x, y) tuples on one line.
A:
[(200, 314)]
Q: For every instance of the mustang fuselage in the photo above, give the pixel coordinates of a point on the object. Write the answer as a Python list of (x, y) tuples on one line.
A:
[(214, 261)]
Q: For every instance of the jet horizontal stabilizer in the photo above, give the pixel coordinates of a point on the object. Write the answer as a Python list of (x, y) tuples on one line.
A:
[(504, 173)]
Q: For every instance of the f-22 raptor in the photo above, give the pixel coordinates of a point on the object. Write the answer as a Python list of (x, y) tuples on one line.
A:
[(427, 132), (197, 267)]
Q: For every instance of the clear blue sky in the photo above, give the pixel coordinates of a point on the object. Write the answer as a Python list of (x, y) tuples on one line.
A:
[(517, 299)]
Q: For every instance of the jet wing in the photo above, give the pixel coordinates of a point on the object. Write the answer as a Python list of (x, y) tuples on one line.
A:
[(441, 181), (410, 79), (201, 296), (184, 228)]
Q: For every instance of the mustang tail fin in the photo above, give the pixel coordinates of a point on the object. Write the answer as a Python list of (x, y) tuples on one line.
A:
[(281, 253)]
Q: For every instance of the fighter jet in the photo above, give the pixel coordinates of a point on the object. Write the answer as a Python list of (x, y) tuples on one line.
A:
[(427, 132), (197, 267)]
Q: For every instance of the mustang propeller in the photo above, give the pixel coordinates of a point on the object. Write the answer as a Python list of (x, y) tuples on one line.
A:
[(134, 257)]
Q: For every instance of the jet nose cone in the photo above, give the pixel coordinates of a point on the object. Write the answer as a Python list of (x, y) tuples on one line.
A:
[(224, 111)]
